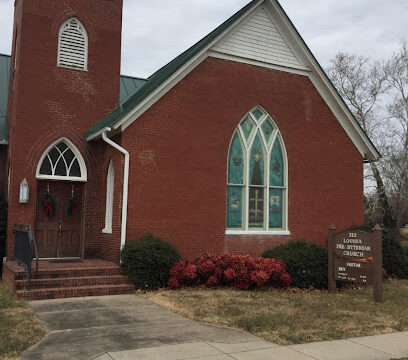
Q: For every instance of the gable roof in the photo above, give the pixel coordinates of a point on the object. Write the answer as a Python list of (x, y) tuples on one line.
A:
[(161, 75), (128, 86), (166, 77)]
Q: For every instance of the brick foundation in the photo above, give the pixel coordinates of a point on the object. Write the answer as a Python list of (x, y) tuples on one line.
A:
[(61, 280)]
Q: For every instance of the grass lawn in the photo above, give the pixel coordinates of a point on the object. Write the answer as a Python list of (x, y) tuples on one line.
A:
[(19, 327), (288, 317)]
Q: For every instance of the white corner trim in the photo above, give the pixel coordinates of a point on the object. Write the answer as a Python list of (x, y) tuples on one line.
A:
[(125, 187), (258, 232), (107, 231)]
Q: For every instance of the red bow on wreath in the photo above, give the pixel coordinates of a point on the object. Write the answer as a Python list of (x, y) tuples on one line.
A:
[(73, 204), (47, 207)]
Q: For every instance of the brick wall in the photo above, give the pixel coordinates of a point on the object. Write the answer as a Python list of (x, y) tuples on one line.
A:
[(179, 150), (47, 102)]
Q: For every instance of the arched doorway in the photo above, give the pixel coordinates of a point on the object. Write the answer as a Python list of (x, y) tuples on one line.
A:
[(61, 174)]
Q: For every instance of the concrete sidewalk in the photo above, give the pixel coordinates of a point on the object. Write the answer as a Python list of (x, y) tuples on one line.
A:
[(128, 327), (381, 347)]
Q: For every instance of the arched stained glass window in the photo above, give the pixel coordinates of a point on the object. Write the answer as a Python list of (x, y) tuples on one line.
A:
[(236, 176), (257, 181), (62, 161)]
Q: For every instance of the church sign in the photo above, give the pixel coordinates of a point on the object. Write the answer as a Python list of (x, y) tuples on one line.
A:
[(356, 256)]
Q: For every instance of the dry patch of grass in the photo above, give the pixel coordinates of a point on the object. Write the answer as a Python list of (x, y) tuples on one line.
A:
[(286, 317), (19, 327)]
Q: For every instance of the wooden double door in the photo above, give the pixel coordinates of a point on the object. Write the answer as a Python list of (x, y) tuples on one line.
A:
[(58, 235)]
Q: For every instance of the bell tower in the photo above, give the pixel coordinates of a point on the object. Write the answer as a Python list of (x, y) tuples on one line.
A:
[(64, 78)]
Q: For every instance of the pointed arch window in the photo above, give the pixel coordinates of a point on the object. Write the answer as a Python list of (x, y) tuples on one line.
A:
[(73, 45), (257, 177), (62, 161), (110, 182)]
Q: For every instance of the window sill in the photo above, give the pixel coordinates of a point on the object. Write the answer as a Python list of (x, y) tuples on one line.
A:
[(107, 231), (257, 232), (72, 68)]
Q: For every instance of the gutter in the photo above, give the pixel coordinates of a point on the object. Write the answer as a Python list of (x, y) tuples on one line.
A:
[(125, 185)]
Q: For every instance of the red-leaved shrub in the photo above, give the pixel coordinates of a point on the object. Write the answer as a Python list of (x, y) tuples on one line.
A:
[(237, 271)]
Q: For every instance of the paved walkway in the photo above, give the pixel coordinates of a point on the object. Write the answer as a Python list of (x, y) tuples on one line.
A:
[(129, 327), (382, 347)]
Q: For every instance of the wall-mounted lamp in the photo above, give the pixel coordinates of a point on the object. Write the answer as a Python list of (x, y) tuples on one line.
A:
[(24, 192)]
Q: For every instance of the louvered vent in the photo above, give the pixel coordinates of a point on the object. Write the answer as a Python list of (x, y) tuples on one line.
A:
[(73, 45)]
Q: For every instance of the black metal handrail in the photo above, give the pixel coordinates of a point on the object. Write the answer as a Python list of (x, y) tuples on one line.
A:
[(24, 243)]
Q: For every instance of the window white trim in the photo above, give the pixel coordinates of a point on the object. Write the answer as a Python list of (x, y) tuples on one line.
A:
[(73, 45), (110, 183), (268, 147), (257, 232), (78, 156)]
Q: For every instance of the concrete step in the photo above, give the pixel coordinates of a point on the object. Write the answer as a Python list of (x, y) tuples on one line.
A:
[(77, 291), (63, 282)]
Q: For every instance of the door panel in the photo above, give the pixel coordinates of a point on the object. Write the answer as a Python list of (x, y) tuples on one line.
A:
[(59, 235)]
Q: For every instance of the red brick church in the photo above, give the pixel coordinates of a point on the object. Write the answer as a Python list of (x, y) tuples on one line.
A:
[(238, 144)]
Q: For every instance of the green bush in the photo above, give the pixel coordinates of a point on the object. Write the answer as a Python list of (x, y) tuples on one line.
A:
[(3, 229), (147, 261), (305, 262), (395, 256)]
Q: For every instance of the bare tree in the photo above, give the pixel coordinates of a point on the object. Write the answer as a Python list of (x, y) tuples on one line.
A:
[(395, 146), (362, 83)]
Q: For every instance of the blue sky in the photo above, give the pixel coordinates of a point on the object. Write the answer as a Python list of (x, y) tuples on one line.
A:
[(155, 31)]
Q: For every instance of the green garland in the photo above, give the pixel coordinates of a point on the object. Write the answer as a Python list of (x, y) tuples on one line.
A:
[(49, 205)]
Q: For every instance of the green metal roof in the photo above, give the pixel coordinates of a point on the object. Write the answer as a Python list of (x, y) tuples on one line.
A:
[(4, 82), (128, 86), (160, 76)]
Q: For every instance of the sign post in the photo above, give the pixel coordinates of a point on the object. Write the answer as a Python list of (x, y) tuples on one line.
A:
[(356, 256)]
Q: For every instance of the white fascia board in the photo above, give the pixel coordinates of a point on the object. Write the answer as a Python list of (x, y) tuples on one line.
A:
[(159, 93), (3, 142), (98, 134), (176, 77), (322, 83), (239, 59)]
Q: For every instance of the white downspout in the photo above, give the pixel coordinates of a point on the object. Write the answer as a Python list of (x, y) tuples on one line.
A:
[(125, 185)]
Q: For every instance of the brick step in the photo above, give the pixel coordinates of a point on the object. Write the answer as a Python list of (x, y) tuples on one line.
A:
[(69, 292), (68, 273), (71, 282)]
